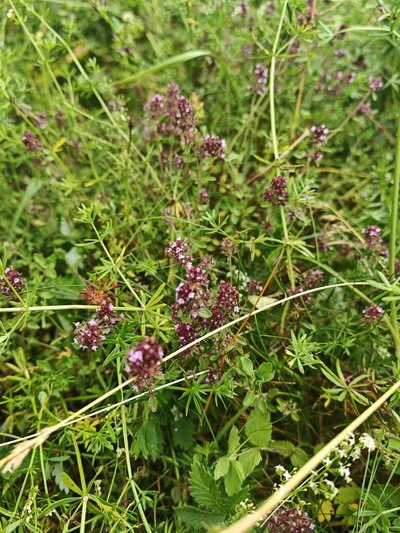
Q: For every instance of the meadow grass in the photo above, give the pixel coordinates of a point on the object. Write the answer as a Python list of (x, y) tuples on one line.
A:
[(199, 276)]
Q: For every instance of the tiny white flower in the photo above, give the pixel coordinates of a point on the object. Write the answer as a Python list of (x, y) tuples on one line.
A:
[(10, 13), (355, 453), (327, 461), (279, 469), (344, 471), (367, 442)]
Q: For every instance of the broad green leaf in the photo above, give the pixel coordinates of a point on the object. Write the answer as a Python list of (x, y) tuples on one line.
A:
[(234, 478), (265, 372), (221, 467), (262, 302), (233, 441), (298, 457), (198, 519), (258, 428), (249, 460)]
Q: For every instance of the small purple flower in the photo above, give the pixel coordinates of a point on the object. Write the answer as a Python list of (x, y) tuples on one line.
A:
[(41, 121), (204, 197), (89, 335), (229, 247), (178, 161), (323, 243), (277, 192), (375, 83), (312, 278), (179, 252), (31, 141), (260, 74), (290, 521), (143, 361), (316, 155), (341, 52), (320, 134), (15, 279), (155, 107), (372, 313), (106, 314), (365, 109), (373, 239), (212, 147)]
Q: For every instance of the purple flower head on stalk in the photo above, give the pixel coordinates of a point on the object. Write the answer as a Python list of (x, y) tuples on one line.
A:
[(143, 361), (228, 247), (316, 155), (106, 314), (290, 521), (260, 73), (313, 278), (372, 313), (247, 50), (375, 83), (365, 109), (89, 335), (277, 192), (155, 108), (320, 134), (31, 141), (323, 243), (178, 251), (15, 279), (373, 239), (204, 197), (41, 121), (212, 147)]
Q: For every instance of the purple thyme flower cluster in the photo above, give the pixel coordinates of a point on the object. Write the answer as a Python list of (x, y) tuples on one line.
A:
[(290, 521), (320, 134), (31, 141), (212, 147), (15, 279), (260, 74), (374, 241), (372, 313), (90, 334), (143, 361), (198, 309), (277, 192), (309, 281), (375, 83), (336, 82), (173, 113), (174, 117)]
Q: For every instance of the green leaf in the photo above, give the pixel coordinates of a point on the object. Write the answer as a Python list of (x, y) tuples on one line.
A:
[(265, 372), (148, 440), (70, 483), (205, 313), (233, 441), (283, 447), (179, 58), (204, 488), (249, 460), (298, 457), (245, 367), (263, 301), (258, 428), (198, 519), (234, 478), (221, 467)]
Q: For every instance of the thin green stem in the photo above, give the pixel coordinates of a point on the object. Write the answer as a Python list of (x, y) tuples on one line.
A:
[(393, 225)]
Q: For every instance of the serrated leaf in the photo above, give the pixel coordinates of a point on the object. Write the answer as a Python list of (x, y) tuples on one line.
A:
[(249, 460), (198, 519), (204, 488), (221, 467), (258, 428), (234, 478), (149, 440)]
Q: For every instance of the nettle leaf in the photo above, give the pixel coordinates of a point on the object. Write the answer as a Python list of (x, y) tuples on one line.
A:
[(198, 519), (258, 428), (249, 460), (234, 478), (204, 488), (221, 467), (233, 441)]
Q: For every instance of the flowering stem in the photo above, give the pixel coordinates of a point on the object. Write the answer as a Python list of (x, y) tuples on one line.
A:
[(393, 225)]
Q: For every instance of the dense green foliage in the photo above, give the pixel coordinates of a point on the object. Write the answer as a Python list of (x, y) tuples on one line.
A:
[(92, 191)]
